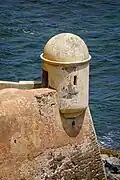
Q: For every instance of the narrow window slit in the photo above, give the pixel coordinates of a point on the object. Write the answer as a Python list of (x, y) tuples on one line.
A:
[(73, 123), (75, 80)]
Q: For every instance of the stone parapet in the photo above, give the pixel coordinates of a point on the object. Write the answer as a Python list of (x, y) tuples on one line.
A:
[(20, 84)]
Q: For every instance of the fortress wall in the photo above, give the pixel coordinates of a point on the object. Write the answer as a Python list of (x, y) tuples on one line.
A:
[(20, 84), (37, 142)]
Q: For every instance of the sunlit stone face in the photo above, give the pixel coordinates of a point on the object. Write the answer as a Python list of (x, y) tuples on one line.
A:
[(66, 47)]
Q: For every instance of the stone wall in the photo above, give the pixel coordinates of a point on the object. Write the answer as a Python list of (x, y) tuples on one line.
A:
[(37, 142), (20, 84)]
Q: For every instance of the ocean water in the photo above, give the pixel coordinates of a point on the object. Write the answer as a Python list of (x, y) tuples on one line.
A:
[(26, 26)]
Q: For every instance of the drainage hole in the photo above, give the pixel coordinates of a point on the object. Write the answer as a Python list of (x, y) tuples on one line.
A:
[(15, 141)]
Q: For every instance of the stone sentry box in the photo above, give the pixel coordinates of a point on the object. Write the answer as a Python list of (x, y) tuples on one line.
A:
[(66, 69), (47, 133)]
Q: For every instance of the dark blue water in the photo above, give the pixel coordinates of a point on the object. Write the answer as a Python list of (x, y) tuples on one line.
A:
[(25, 27)]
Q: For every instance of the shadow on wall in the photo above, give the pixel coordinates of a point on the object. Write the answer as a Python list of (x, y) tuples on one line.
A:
[(72, 125)]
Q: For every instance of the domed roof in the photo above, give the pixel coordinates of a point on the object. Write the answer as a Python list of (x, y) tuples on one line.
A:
[(66, 47)]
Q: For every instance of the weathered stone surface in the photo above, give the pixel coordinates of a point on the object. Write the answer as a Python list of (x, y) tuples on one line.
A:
[(72, 98), (20, 84), (35, 145), (66, 69), (8, 84), (66, 163), (66, 47)]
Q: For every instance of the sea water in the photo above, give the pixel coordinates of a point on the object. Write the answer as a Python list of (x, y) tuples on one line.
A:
[(26, 26)]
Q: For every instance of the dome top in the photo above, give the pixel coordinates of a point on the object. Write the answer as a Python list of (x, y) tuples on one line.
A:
[(66, 48)]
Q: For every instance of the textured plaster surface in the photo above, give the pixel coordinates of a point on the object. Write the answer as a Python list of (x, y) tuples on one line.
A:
[(72, 97), (36, 141), (66, 47)]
